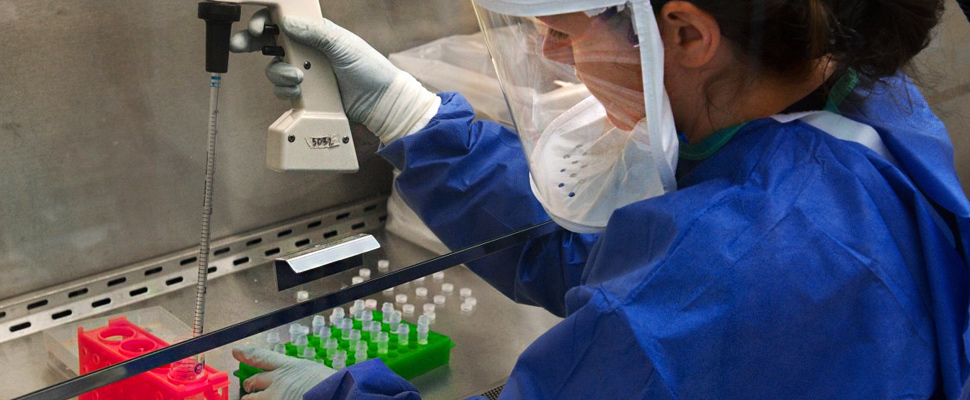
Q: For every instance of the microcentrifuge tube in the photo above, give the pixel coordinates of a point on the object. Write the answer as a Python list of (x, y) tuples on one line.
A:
[(394, 320), (447, 288), (465, 292), (279, 348), (388, 292), (424, 320), (301, 343), (386, 308), (438, 276), (401, 298), (339, 359), (346, 326), (383, 265), (336, 315), (302, 296), (309, 353), (408, 309), (382, 339), (421, 292), (319, 322), (331, 345), (439, 299), (431, 316), (428, 307), (324, 333), (359, 307), (354, 338), (467, 308), (370, 304), (402, 334), (356, 280), (423, 334), (366, 316), (471, 300), (295, 330), (360, 351), (419, 280), (272, 339), (364, 273), (374, 329)]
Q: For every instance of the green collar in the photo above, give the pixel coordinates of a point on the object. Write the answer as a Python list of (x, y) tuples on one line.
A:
[(707, 147), (842, 88)]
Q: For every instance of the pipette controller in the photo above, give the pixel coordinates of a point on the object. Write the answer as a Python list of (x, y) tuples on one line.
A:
[(315, 134)]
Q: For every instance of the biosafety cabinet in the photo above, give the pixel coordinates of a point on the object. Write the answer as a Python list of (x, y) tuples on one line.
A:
[(103, 118)]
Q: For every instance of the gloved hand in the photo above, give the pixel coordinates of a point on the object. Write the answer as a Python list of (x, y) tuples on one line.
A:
[(283, 378), (374, 92)]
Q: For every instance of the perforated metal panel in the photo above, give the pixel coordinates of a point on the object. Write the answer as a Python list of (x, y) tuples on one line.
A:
[(494, 393), (34, 312)]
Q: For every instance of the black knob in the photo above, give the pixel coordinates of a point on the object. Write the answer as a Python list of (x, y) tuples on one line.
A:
[(218, 27), (275, 51), (271, 29)]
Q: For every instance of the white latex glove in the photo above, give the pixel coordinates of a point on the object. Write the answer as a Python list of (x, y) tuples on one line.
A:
[(374, 92), (283, 378)]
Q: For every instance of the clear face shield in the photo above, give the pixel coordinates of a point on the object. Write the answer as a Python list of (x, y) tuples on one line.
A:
[(597, 135)]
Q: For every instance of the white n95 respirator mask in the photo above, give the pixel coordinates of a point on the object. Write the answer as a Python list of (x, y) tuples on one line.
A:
[(584, 84)]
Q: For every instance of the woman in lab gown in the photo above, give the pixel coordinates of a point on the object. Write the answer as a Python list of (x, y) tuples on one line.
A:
[(789, 262)]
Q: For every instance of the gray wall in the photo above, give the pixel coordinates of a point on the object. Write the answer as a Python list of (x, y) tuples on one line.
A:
[(944, 68), (103, 111)]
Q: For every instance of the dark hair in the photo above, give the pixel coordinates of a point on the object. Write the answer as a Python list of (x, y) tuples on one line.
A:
[(874, 37)]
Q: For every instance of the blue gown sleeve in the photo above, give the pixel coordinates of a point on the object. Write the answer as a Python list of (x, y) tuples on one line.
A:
[(369, 380), (469, 182)]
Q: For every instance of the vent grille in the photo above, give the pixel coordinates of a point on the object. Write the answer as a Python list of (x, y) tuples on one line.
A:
[(494, 393), (138, 282)]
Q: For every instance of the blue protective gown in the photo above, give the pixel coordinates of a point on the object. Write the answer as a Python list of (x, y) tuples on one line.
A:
[(789, 264)]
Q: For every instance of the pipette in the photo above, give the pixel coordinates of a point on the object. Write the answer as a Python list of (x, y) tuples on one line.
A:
[(219, 18)]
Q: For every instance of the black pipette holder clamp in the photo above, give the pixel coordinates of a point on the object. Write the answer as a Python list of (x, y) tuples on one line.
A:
[(218, 28)]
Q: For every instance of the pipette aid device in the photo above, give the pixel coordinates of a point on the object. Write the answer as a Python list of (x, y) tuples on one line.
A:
[(315, 134)]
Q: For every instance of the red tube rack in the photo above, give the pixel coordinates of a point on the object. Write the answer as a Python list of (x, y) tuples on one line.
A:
[(122, 340)]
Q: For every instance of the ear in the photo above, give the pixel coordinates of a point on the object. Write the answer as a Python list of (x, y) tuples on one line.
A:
[(691, 36)]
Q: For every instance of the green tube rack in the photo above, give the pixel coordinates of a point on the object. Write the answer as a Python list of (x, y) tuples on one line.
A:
[(408, 362)]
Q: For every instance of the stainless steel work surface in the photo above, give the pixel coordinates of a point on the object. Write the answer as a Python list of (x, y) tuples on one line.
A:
[(488, 341)]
